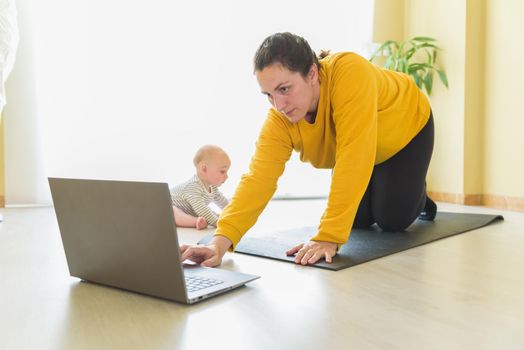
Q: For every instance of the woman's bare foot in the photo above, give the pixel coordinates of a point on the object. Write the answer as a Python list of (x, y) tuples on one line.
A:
[(201, 223)]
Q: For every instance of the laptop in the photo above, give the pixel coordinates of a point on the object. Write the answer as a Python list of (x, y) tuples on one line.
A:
[(123, 234)]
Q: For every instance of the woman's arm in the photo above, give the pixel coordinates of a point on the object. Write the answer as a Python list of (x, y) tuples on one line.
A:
[(201, 208), (273, 150), (251, 196), (354, 96)]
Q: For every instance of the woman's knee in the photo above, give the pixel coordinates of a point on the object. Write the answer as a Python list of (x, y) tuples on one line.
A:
[(394, 224), (363, 224), (363, 220)]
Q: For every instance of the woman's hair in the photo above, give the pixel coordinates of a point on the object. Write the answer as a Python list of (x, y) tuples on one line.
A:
[(290, 50)]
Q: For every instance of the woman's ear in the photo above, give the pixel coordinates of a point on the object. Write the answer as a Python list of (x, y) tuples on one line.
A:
[(313, 72)]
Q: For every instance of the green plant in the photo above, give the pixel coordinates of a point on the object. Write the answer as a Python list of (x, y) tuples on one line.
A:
[(407, 57)]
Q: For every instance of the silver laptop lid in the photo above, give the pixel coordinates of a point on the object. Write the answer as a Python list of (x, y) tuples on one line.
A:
[(120, 234)]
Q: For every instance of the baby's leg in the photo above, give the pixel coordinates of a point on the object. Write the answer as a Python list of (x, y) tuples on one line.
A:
[(183, 219)]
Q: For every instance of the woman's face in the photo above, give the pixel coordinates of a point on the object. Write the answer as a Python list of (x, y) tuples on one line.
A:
[(289, 92)]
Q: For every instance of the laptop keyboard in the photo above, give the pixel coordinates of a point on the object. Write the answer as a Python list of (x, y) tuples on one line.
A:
[(194, 283)]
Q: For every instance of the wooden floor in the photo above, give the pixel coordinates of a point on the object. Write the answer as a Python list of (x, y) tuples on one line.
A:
[(463, 292)]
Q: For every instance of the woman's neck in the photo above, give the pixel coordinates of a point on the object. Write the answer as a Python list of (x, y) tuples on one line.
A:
[(310, 117), (312, 113)]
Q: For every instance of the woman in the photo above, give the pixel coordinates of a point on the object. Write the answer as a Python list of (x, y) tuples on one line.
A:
[(372, 126)]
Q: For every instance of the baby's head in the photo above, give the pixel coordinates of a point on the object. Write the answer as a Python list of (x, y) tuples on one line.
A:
[(212, 165)]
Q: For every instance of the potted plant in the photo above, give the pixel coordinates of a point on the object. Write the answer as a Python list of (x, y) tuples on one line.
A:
[(408, 57)]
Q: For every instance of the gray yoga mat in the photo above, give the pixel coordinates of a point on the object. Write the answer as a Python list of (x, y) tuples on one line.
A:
[(363, 244)]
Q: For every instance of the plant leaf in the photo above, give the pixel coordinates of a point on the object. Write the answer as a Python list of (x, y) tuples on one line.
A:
[(430, 57), (400, 67), (418, 81), (381, 48), (443, 77), (429, 45), (400, 53), (428, 82), (405, 65), (410, 52), (390, 62), (419, 66), (423, 38)]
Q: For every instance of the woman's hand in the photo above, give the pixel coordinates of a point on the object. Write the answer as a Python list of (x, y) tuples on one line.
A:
[(206, 255), (312, 251)]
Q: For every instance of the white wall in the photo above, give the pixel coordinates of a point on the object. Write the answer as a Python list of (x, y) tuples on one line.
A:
[(130, 89), (25, 174)]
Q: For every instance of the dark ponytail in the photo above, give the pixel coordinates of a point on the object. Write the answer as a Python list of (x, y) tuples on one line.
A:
[(323, 54)]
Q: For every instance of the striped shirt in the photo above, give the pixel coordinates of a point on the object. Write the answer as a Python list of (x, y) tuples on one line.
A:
[(193, 199)]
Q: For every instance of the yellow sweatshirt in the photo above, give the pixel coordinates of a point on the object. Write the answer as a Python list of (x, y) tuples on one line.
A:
[(365, 115)]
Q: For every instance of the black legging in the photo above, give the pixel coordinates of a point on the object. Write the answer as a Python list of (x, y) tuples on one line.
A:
[(396, 193)]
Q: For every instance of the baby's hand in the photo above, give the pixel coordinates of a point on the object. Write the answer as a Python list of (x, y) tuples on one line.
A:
[(201, 223)]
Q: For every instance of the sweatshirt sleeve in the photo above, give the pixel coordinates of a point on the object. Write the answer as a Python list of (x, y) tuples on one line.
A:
[(354, 96), (257, 186)]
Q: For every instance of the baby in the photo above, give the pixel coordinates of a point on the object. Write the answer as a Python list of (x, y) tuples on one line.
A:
[(191, 199)]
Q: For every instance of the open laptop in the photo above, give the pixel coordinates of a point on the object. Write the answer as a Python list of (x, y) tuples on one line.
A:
[(123, 234)]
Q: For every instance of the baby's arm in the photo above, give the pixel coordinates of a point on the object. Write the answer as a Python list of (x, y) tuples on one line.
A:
[(220, 200), (200, 207)]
